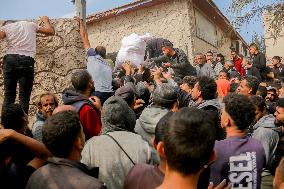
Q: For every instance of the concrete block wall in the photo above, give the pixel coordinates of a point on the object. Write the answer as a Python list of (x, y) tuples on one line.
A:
[(57, 57)]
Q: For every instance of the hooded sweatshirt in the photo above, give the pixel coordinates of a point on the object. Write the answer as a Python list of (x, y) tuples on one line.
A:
[(263, 131), (213, 108), (102, 151), (88, 113), (146, 124), (37, 127)]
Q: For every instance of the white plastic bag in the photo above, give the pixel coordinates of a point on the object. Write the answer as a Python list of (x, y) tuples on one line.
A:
[(132, 50)]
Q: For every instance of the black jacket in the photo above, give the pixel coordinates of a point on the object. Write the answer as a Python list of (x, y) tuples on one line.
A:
[(179, 63), (259, 62)]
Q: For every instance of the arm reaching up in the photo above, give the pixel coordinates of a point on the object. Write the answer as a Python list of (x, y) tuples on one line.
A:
[(2, 35), (83, 34)]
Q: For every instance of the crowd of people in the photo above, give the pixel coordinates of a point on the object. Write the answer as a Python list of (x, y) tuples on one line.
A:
[(216, 123)]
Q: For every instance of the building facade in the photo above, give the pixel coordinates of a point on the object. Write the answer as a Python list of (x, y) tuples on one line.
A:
[(274, 46), (192, 25)]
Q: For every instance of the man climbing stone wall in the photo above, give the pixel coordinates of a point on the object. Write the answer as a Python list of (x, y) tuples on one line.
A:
[(57, 58)]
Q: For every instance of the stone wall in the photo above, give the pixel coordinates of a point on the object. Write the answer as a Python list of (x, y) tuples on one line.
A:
[(57, 58), (171, 20)]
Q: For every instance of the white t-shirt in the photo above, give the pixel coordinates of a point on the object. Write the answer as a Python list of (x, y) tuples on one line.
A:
[(21, 38)]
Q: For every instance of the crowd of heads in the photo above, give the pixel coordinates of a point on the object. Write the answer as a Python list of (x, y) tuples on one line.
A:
[(223, 97)]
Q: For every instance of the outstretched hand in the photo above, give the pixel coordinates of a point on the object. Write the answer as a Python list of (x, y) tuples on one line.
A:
[(77, 18), (138, 103), (96, 102), (128, 68)]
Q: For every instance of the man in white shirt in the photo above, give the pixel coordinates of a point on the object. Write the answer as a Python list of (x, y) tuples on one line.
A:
[(97, 66), (18, 63)]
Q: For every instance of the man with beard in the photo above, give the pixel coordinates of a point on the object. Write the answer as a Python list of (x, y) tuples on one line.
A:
[(279, 121), (259, 60), (271, 94), (248, 86), (88, 107), (47, 102), (204, 97)]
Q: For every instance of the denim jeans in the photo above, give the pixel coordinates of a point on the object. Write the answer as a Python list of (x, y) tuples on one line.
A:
[(18, 69)]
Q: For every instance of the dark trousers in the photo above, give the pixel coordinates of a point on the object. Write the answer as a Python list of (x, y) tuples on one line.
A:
[(103, 96), (18, 69)]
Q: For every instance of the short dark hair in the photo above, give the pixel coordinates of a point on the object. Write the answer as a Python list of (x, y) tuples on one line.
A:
[(280, 102), (101, 50), (233, 87), (224, 71), (254, 45), (167, 44), (221, 56), (277, 58), (209, 52), (233, 50), (8, 22), (80, 80), (262, 91), (252, 82), (190, 80), (162, 127), (184, 151), (165, 95), (208, 87), (240, 108), (12, 117), (60, 131), (259, 102)]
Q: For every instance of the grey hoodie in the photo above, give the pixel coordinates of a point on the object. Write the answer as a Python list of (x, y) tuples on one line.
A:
[(205, 70), (213, 102), (263, 131), (102, 151), (146, 124)]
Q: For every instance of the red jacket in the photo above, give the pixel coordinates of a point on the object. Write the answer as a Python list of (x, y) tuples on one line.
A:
[(91, 121), (238, 66)]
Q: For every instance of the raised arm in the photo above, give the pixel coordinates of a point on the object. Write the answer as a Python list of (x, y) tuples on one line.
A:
[(47, 28), (2, 35), (31, 144), (83, 34)]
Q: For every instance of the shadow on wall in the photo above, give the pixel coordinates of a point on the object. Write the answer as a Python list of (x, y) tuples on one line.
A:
[(57, 58)]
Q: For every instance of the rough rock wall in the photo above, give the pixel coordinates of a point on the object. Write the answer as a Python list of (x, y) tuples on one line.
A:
[(57, 57)]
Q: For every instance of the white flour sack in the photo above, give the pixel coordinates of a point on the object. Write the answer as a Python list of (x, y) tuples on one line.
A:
[(132, 49)]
